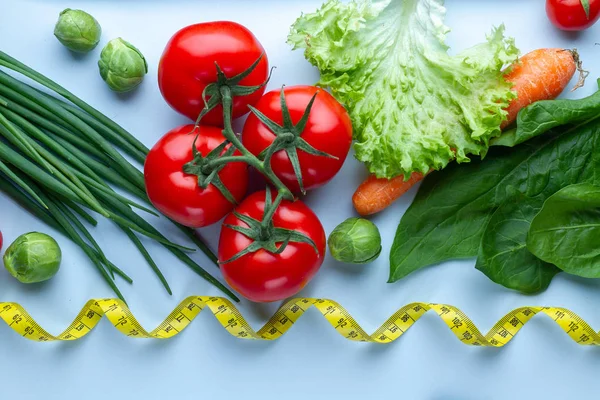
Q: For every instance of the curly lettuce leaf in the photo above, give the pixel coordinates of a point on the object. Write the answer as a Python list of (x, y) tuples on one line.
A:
[(414, 107)]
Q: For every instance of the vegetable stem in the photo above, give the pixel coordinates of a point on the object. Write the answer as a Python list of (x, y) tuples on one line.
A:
[(73, 121), (60, 159), (23, 69), (70, 232), (136, 241)]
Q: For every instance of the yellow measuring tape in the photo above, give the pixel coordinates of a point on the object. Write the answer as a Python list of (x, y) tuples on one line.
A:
[(230, 318)]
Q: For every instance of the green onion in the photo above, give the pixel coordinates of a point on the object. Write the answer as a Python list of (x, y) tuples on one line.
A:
[(53, 165), (19, 182), (74, 122), (136, 241), (62, 224), (60, 157), (115, 139), (53, 128), (23, 69)]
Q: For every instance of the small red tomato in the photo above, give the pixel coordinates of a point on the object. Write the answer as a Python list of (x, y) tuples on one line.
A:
[(570, 15), (329, 130), (187, 66), (175, 193), (263, 276)]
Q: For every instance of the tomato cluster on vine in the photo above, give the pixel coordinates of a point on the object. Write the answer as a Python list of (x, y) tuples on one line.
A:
[(271, 244)]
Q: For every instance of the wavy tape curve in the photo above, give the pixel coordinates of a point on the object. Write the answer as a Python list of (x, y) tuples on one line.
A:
[(19, 320)]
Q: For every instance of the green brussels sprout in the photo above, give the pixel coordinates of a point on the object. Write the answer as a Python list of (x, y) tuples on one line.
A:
[(122, 66), (33, 257), (355, 241), (77, 30)]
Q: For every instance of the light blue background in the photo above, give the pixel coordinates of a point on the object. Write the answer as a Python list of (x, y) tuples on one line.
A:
[(311, 361)]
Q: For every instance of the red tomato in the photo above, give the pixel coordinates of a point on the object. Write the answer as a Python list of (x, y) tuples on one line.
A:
[(177, 194), (263, 276), (187, 66), (570, 15), (329, 129)]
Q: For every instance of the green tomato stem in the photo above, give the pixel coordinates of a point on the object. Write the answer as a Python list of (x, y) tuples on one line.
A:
[(217, 162), (266, 223), (247, 156), (228, 132)]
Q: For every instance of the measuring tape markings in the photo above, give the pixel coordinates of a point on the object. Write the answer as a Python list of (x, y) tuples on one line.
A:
[(120, 316)]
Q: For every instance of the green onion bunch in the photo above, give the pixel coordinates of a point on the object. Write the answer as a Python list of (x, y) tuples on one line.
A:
[(60, 159)]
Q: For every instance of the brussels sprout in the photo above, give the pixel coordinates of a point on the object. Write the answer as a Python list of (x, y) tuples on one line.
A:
[(77, 30), (355, 241), (122, 65), (33, 257)]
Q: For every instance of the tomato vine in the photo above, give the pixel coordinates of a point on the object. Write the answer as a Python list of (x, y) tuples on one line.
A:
[(288, 139)]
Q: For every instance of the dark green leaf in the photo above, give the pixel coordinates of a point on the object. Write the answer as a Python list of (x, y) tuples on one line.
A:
[(543, 116), (503, 255), (451, 210), (566, 232), (448, 217), (508, 138)]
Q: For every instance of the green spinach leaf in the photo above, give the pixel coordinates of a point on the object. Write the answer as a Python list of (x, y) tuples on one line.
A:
[(543, 116), (566, 232), (453, 207), (503, 255)]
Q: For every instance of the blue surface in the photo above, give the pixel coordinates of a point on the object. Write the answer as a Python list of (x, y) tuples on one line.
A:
[(311, 361)]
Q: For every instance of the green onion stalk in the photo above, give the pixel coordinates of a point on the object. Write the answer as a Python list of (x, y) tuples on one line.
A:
[(60, 159)]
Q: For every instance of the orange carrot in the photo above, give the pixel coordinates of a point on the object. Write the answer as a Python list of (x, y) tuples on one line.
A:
[(540, 75), (375, 194)]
